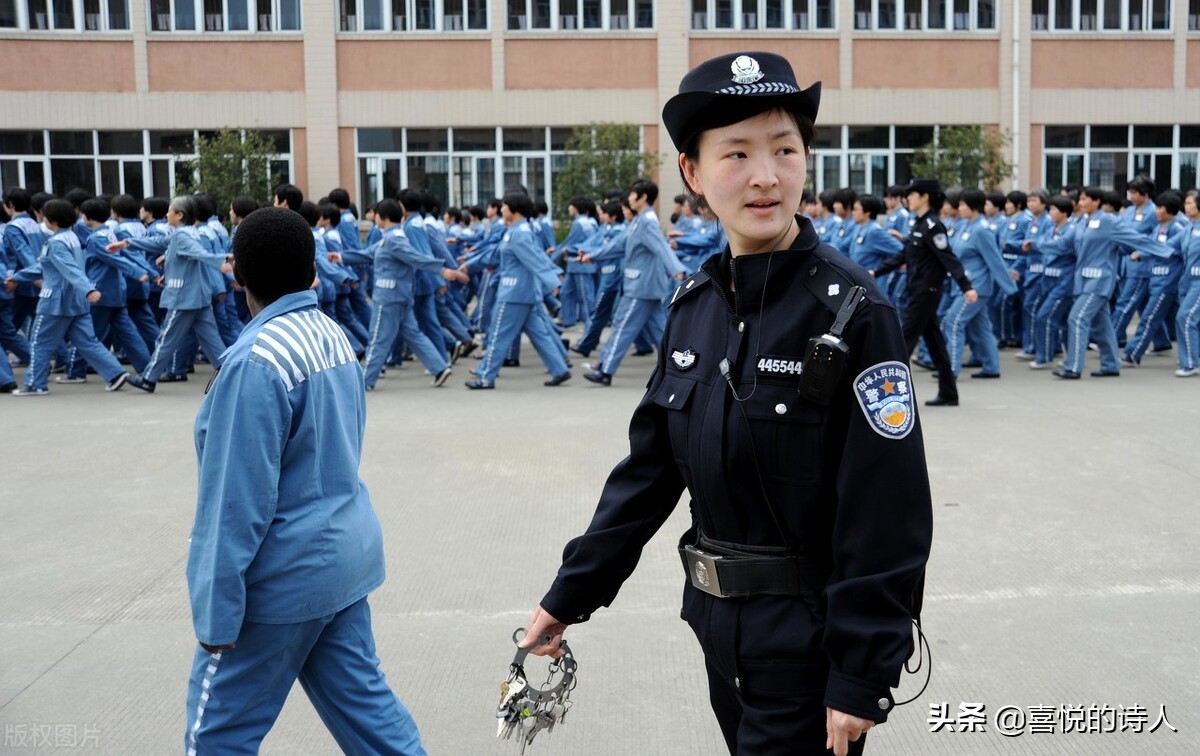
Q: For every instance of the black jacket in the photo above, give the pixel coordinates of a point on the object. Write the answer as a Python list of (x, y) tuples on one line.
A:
[(850, 484), (928, 257)]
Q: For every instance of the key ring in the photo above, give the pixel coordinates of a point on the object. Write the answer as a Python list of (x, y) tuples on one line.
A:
[(565, 664)]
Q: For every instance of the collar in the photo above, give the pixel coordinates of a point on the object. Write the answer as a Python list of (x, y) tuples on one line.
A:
[(749, 272), (297, 300)]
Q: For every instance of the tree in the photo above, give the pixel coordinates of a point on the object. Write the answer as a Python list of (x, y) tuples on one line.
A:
[(601, 156), (964, 156), (229, 164)]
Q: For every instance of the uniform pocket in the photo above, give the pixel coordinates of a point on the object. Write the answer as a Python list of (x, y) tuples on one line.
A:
[(674, 392), (786, 433)]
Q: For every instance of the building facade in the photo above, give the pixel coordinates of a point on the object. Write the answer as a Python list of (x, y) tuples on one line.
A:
[(468, 96)]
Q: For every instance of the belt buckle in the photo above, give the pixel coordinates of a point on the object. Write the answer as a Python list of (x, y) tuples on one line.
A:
[(702, 571)]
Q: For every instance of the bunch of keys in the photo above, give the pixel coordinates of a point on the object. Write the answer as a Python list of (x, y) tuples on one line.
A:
[(525, 710)]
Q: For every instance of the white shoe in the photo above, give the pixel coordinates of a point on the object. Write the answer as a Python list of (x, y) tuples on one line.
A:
[(1024, 356), (1182, 373), (69, 379), (1039, 365)]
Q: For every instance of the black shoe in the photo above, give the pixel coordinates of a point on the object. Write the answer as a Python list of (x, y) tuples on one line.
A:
[(1158, 350), (941, 401), (1105, 373), (466, 348), (477, 384), (924, 365), (600, 377), (168, 378), (8, 388), (581, 352), (441, 377), (558, 379), (1069, 375), (116, 383), (566, 343), (982, 374), (191, 369), (138, 381), (511, 363), (973, 364)]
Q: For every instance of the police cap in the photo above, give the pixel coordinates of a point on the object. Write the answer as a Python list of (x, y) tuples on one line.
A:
[(932, 187), (732, 88)]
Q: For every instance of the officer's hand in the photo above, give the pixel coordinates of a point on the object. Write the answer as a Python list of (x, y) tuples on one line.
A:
[(970, 296), (543, 623), (680, 276), (1026, 245), (842, 729), (334, 257), (871, 273), (216, 649), (162, 259), (116, 246), (93, 297)]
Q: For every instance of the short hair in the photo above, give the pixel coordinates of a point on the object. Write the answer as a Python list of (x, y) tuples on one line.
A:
[(846, 196), (1171, 201), (39, 200), (18, 197), (455, 214), (1041, 194), (951, 196), (274, 253), (185, 206), (389, 210), (519, 202), (78, 196), (1114, 199), (156, 206), (1064, 204), (1195, 195), (644, 187), (411, 199), (974, 199), (541, 207), (1094, 192), (871, 205), (826, 199), (95, 209), (584, 205), (243, 206), (614, 194), (476, 212), (288, 194), (1018, 198), (680, 199), (309, 212), (896, 191), (125, 206), (59, 212), (996, 198), (807, 197), (341, 198), (1142, 184), (205, 207), (330, 212), (611, 209), (494, 202)]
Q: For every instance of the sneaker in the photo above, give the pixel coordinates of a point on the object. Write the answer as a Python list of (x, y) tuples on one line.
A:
[(116, 383), (558, 379), (477, 385), (28, 391), (467, 348), (511, 363), (1039, 365), (1024, 356), (598, 377), (982, 374), (581, 352), (138, 381), (441, 377), (168, 378), (1187, 372), (1065, 374), (1126, 362), (70, 379)]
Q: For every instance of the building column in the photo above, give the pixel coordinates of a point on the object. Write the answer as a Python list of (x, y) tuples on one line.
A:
[(497, 21), (139, 27), (321, 97), (845, 22), (674, 24)]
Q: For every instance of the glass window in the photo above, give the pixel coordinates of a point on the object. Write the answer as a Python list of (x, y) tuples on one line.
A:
[(1087, 15), (214, 17), (1064, 136), (280, 138), (829, 137), (289, 15), (1041, 15), (347, 18), (1189, 136), (518, 17), (118, 14), (473, 140), (1153, 136), (1187, 170), (264, 15), (773, 14), (1135, 14), (593, 14), (64, 14), (71, 143), (160, 15), (1110, 136), (644, 14), (1062, 14), (8, 14), (937, 14), (1193, 15), (380, 140), (1112, 14), (428, 140), (476, 14), (559, 138), (120, 142), (724, 11), (862, 14), (913, 137), (67, 174), (699, 14), (1161, 14), (185, 14), (424, 14), (22, 143), (912, 14), (171, 142), (239, 16), (371, 15), (869, 136), (524, 139), (618, 14), (824, 14)]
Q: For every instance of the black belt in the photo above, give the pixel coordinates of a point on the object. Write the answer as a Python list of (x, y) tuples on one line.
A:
[(728, 570)]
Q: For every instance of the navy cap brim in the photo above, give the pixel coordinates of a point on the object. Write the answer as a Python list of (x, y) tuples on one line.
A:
[(690, 113)]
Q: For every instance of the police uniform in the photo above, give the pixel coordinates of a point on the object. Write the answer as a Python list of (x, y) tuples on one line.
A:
[(928, 258), (819, 512)]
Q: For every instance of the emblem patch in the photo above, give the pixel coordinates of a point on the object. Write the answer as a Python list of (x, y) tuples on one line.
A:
[(745, 70), (684, 360), (940, 241), (884, 392), (835, 289)]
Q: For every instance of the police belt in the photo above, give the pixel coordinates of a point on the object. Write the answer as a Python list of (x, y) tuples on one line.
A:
[(729, 570)]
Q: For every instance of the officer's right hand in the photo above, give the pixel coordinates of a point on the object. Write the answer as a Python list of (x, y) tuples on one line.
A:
[(93, 297), (970, 296), (543, 623), (116, 246)]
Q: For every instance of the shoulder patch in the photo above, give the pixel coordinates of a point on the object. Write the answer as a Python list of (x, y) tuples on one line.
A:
[(825, 282), (940, 241), (931, 222), (398, 232), (884, 393), (691, 284)]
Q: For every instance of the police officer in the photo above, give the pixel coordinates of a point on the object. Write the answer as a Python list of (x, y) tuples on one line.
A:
[(811, 516), (928, 258)]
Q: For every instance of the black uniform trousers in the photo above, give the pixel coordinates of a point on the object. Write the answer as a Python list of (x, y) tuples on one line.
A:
[(920, 319)]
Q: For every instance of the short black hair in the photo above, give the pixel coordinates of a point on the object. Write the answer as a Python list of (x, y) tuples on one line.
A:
[(78, 196), (411, 199), (871, 204), (975, 199), (59, 212), (897, 191), (39, 200), (205, 207), (826, 199), (1114, 199), (156, 206), (519, 202), (1142, 184), (541, 207), (330, 212), (95, 209), (680, 199), (340, 197), (243, 206), (996, 198), (951, 195), (846, 196), (1094, 192), (611, 209), (1018, 198), (644, 187), (289, 194), (125, 206), (274, 254), (582, 205), (455, 214), (807, 197), (309, 212), (1171, 201), (494, 202), (1064, 204), (389, 209), (18, 197), (476, 212)]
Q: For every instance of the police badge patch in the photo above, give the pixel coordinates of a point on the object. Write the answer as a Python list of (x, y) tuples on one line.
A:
[(685, 359), (884, 392), (940, 241)]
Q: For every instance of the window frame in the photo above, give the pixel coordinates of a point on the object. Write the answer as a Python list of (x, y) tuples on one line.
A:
[(899, 13), (79, 16), (1146, 27), (1131, 151), (556, 18), (791, 18), (201, 19), (844, 153), (410, 12)]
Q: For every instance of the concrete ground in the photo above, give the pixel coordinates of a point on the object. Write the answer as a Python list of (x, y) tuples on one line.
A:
[(1064, 581)]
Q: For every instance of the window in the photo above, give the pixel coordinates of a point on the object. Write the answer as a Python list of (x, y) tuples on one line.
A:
[(1194, 15), (412, 15), (932, 15), (559, 15), (1109, 156), (65, 15), (463, 166), (867, 159), (798, 15), (1102, 15), (224, 15)]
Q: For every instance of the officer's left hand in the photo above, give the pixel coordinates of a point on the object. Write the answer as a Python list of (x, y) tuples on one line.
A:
[(226, 268), (970, 296), (680, 276), (541, 624), (842, 729)]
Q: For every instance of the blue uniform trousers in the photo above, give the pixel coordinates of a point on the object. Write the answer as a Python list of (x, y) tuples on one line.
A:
[(145, 319), (47, 335), (1187, 326), (24, 307), (601, 317), (1160, 299), (446, 315), (1005, 314), (358, 298), (578, 297), (6, 373), (632, 316), (11, 340), (115, 322), (1090, 318), (343, 313), (397, 319), (172, 352), (1132, 301), (425, 308), (965, 322), (510, 321), (1031, 302), (357, 345), (1049, 325), (235, 695), (487, 304)]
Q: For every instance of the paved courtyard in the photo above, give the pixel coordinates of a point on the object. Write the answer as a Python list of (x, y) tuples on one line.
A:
[(1063, 592)]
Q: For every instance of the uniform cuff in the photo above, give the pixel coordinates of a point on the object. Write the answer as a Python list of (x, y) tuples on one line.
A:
[(862, 698), (562, 608), (965, 284)]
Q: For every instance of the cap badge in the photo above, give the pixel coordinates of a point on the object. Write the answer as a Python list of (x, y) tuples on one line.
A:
[(745, 70)]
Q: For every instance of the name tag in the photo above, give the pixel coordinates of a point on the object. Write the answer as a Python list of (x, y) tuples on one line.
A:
[(1012, 226), (1162, 238), (632, 273), (1053, 272), (1009, 255), (966, 235), (1138, 217), (859, 240), (608, 269), (1196, 271), (1033, 229), (1037, 268), (385, 283), (1094, 224), (1160, 270), (779, 365)]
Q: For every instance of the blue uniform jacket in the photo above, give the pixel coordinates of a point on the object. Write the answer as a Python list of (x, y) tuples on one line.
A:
[(65, 284), (397, 263), (700, 242), (872, 245), (24, 239), (582, 229), (611, 258), (186, 285), (328, 274), (374, 236), (844, 237), (1096, 241), (1055, 247), (827, 227), (109, 271), (1034, 264), (650, 264), (1012, 233), (525, 272), (898, 221), (546, 228), (347, 228), (82, 232), (1190, 246), (1173, 235), (979, 250), (284, 529), (1142, 220)]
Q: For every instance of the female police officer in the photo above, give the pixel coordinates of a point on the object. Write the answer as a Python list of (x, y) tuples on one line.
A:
[(782, 401)]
